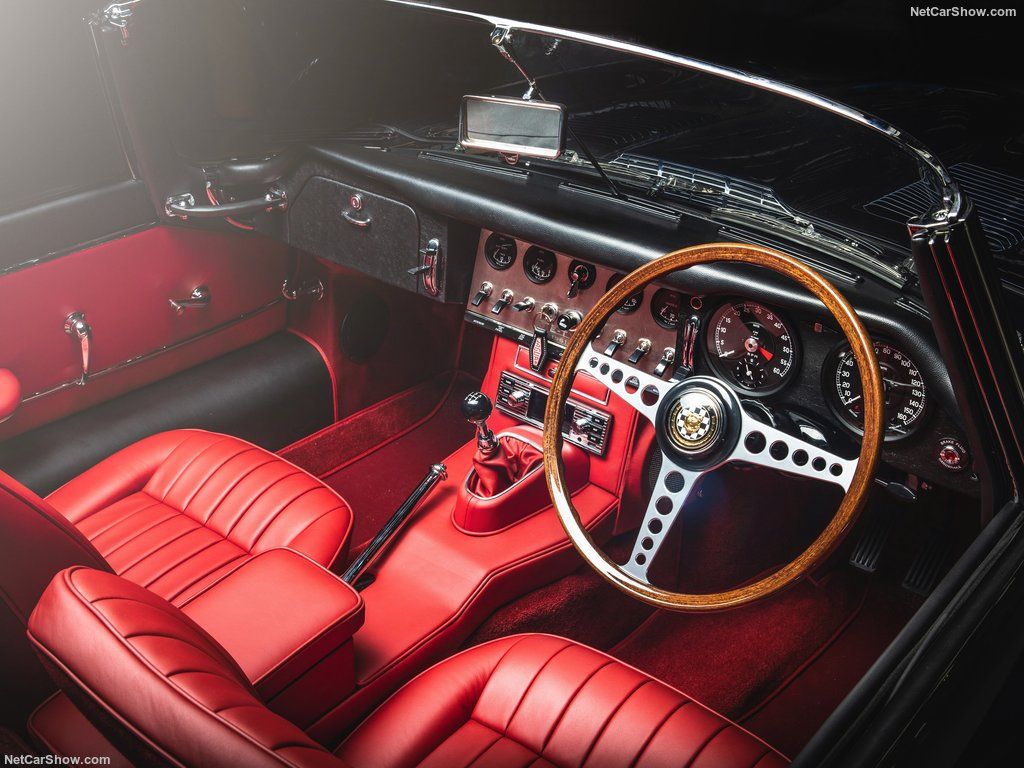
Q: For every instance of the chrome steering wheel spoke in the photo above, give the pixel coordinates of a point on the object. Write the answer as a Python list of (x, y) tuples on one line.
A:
[(668, 498), (767, 446), (641, 390)]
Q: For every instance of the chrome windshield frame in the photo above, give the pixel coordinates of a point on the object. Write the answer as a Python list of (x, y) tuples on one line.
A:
[(940, 178)]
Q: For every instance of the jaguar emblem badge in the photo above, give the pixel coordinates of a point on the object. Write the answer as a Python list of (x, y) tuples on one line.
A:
[(694, 421)]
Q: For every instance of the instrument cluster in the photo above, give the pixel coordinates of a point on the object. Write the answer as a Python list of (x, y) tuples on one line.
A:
[(541, 296)]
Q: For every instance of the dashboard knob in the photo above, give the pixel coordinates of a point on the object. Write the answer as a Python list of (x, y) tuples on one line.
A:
[(549, 311), (568, 321)]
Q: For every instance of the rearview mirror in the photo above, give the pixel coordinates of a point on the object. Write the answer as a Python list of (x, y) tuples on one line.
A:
[(517, 126)]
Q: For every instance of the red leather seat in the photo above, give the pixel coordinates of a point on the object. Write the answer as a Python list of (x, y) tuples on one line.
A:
[(165, 693), (172, 512), (175, 511)]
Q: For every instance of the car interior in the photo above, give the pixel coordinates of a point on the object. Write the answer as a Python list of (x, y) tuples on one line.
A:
[(333, 431)]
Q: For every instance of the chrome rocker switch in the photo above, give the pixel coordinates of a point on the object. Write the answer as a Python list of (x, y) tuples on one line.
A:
[(618, 339), (642, 348), (667, 358), (504, 301), (486, 289)]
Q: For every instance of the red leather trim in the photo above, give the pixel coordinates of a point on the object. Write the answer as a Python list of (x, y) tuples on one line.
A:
[(252, 612), (479, 515), (123, 287), (544, 700), (178, 510), (10, 393), (160, 676)]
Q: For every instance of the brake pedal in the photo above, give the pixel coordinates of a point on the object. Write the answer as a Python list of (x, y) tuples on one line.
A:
[(874, 534), (930, 563)]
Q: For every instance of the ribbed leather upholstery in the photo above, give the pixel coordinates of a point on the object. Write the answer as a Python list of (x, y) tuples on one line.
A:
[(164, 688), (166, 692), (176, 511), (540, 701)]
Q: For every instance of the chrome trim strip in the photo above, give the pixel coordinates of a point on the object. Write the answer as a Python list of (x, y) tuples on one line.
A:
[(943, 181), (76, 383)]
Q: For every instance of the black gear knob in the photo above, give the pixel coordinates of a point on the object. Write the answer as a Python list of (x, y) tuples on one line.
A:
[(476, 407)]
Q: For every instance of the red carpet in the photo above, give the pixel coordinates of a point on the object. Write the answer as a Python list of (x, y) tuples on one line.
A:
[(375, 484)]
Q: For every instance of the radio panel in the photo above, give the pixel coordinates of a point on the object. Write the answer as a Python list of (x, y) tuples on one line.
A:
[(586, 427)]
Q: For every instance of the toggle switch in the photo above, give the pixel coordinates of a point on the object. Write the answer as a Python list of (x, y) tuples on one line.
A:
[(642, 348), (486, 289), (504, 301), (618, 339), (526, 305), (667, 358)]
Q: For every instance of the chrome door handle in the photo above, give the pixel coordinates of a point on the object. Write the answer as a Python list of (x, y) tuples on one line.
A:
[(355, 221), (76, 327), (198, 299)]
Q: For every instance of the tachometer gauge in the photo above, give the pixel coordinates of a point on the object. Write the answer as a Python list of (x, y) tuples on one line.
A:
[(631, 303), (539, 264), (666, 307), (751, 347), (500, 251), (906, 397)]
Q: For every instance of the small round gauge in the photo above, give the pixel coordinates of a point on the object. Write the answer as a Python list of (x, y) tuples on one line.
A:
[(906, 397), (632, 302), (666, 308), (539, 264), (500, 251), (751, 347)]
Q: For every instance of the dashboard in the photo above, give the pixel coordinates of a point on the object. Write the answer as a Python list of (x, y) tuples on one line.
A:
[(796, 368)]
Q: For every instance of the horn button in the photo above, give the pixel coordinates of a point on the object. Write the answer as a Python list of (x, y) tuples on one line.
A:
[(699, 421)]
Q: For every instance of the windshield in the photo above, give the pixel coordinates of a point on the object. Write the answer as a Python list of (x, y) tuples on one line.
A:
[(356, 70)]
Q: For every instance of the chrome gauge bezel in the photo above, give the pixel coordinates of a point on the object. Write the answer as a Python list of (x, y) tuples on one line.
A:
[(724, 373), (830, 372), (489, 248)]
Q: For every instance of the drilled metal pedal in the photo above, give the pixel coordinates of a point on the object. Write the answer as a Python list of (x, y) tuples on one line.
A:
[(874, 533), (930, 564)]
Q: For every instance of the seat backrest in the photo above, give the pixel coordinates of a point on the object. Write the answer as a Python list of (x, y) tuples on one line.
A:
[(36, 542), (156, 684)]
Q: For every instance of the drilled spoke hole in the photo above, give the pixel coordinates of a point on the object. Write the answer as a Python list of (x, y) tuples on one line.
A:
[(632, 385), (650, 395), (800, 457), (755, 442), (675, 482), (779, 450), (663, 505), (818, 463)]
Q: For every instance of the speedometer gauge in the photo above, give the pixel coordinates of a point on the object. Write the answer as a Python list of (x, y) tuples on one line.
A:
[(906, 397), (751, 347)]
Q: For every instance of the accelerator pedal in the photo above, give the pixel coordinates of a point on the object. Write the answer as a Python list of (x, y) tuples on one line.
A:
[(930, 564)]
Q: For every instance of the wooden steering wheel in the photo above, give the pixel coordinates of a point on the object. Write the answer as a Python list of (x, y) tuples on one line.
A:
[(700, 425)]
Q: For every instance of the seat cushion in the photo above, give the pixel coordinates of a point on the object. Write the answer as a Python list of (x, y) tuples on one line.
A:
[(538, 700), (176, 511), (161, 690)]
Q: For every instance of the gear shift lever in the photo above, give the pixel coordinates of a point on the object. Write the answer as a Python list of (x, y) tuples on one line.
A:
[(476, 407)]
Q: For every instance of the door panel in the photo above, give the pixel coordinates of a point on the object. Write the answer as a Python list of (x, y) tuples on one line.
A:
[(123, 288)]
